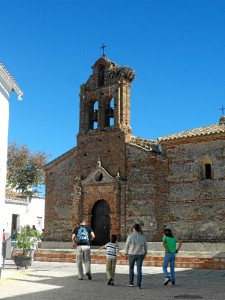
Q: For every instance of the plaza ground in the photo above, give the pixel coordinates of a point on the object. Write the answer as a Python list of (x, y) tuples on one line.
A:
[(54, 280)]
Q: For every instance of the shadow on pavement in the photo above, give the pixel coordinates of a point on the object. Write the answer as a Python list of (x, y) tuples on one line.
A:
[(45, 283)]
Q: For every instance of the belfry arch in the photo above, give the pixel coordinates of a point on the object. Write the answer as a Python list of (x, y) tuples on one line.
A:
[(109, 85)]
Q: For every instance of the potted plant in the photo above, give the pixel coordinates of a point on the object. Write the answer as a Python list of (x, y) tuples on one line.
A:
[(27, 241)]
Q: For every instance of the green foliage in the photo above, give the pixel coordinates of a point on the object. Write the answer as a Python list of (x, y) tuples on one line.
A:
[(27, 238), (24, 168)]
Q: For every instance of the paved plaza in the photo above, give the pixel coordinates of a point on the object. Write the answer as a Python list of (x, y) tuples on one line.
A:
[(45, 280)]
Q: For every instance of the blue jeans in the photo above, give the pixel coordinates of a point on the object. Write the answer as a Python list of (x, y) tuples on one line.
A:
[(169, 258), (139, 261)]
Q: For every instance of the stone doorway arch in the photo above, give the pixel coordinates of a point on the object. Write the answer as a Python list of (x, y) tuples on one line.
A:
[(100, 222)]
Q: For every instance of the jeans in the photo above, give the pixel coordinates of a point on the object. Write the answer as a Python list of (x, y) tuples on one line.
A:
[(169, 258), (83, 255), (139, 261)]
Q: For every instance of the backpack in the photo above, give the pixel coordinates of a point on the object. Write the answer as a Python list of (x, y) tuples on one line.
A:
[(82, 236)]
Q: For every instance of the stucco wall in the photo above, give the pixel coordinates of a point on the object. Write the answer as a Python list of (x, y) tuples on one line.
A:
[(4, 117), (29, 211)]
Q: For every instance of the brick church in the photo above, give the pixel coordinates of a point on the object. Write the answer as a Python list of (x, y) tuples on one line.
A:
[(114, 179)]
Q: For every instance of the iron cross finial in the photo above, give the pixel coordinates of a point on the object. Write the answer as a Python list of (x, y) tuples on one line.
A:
[(222, 109), (103, 49)]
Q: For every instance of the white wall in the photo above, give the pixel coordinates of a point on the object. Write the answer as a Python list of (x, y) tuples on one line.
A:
[(4, 123), (7, 85), (30, 211)]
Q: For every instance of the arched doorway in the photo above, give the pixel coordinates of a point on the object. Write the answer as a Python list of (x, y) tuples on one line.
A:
[(100, 222)]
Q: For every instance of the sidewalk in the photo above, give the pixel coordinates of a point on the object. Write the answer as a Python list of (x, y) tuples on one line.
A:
[(45, 280), (10, 270)]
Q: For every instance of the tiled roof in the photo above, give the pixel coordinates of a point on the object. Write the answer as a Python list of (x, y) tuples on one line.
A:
[(144, 143), (15, 84), (9, 194), (201, 131), (8, 74)]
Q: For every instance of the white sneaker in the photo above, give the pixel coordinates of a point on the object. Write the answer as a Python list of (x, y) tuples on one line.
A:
[(167, 280)]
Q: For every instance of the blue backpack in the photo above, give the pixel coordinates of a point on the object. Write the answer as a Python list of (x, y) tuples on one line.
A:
[(82, 236)]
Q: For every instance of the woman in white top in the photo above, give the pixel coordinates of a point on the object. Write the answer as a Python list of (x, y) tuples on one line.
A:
[(136, 250)]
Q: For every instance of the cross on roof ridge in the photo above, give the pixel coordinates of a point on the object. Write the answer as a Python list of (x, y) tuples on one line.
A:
[(103, 49), (222, 109)]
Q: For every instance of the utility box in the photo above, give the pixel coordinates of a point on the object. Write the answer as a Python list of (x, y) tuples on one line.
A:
[(6, 249)]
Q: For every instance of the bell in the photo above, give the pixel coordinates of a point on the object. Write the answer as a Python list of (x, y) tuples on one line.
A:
[(95, 116), (110, 113)]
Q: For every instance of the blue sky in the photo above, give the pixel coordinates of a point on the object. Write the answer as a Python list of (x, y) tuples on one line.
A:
[(177, 49)]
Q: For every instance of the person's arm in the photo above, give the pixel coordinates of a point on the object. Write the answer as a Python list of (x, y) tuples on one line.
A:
[(127, 247), (102, 247), (92, 235), (120, 253), (165, 246), (118, 250), (145, 247), (74, 240), (179, 245)]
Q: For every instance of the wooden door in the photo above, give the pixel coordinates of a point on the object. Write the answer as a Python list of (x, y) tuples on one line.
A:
[(100, 222)]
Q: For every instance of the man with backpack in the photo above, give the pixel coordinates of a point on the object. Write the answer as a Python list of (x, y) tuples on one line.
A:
[(81, 238)]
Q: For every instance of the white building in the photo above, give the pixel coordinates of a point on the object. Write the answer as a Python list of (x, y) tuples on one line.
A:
[(7, 85), (21, 210)]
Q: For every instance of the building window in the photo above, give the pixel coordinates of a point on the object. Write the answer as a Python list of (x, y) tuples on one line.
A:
[(207, 168), (99, 176), (208, 171)]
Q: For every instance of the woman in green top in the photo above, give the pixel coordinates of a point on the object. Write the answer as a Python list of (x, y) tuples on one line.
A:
[(170, 243)]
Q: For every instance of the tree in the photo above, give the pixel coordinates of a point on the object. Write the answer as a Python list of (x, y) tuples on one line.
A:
[(24, 168)]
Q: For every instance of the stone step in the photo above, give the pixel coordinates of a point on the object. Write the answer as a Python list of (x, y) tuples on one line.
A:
[(195, 260)]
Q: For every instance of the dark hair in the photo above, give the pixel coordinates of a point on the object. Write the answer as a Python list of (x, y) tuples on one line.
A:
[(168, 232), (137, 228), (113, 238), (82, 220)]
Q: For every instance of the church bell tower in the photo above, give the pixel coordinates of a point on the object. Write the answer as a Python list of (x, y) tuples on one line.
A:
[(100, 182), (105, 98)]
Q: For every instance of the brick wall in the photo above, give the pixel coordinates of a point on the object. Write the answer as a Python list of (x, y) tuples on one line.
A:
[(196, 205), (153, 259)]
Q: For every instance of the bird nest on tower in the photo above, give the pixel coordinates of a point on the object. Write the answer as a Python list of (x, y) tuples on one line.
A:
[(120, 72)]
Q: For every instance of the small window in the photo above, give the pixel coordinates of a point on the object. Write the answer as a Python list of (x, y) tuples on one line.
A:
[(208, 171), (98, 176)]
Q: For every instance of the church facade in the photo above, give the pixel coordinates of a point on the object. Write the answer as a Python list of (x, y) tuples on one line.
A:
[(114, 179)]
